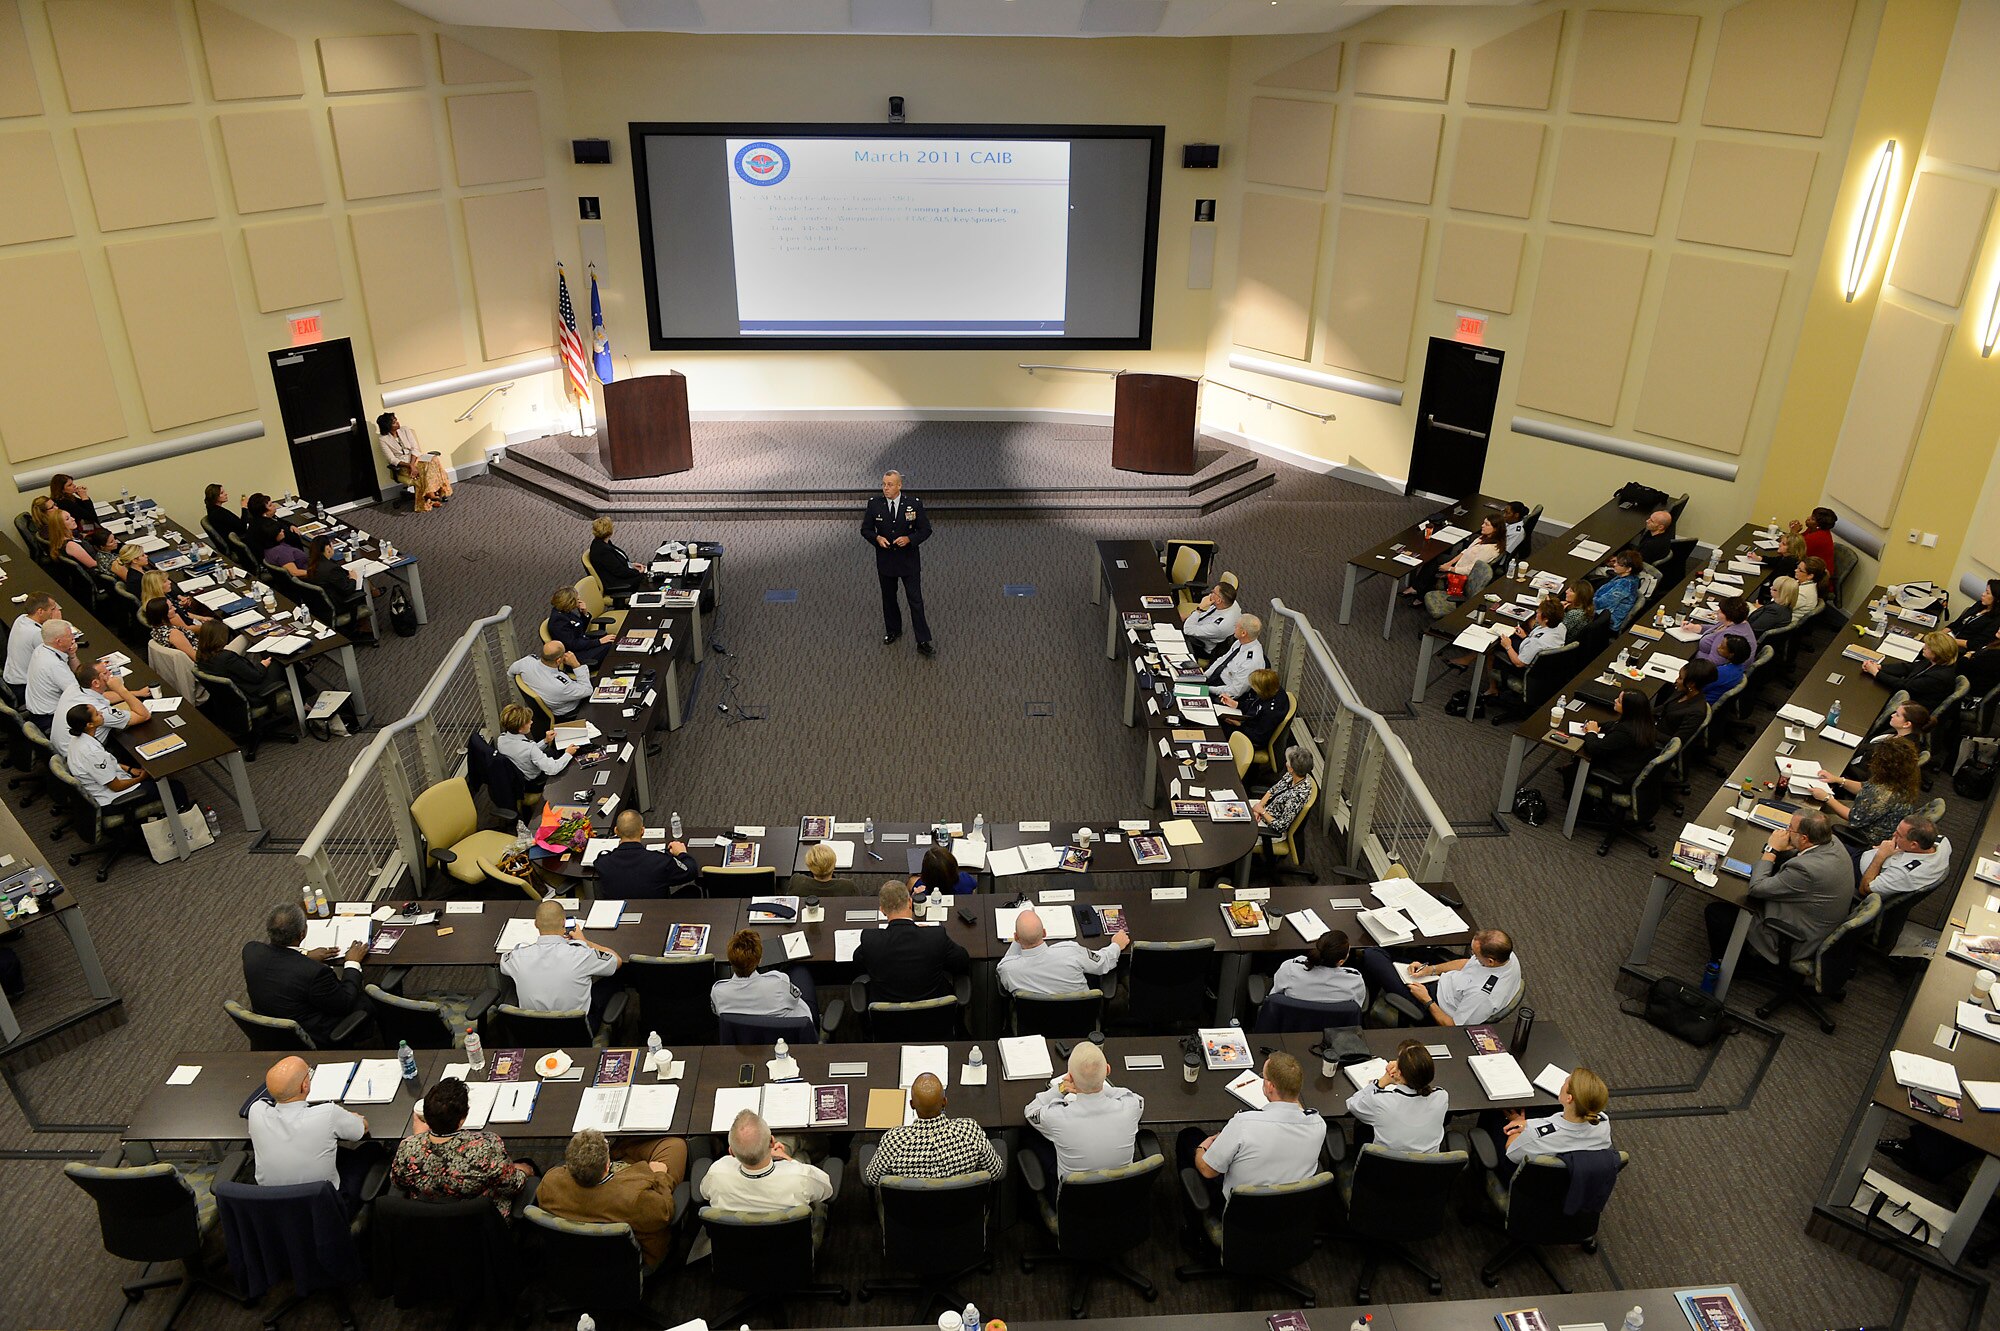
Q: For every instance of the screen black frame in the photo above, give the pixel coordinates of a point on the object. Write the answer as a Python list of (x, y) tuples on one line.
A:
[(1154, 135)]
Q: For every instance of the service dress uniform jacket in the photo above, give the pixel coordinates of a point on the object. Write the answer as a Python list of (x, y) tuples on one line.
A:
[(891, 519)]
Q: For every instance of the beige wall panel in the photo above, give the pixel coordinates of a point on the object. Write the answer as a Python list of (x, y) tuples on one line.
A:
[(1496, 164), (1885, 412), (1580, 329), (1378, 262), (39, 292), (1941, 231), (372, 64), (180, 316), (32, 204), (498, 137), (513, 253), (459, 63), (1612, 179), (1318, 72), (1277, 260), (1709, 339), (1391, 154), (1775, 65), (1479, 266), (1749, 196), (119, 53), (146, 172), (1392, 69), (385, 148), (1290, 142), (407, 284), (245, 58), (1968, 99), (1633, 65), (1518, 69), (19, 93), (294, 264), (273, 159)]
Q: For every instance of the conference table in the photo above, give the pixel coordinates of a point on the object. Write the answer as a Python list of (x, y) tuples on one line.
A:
[(357, 545), (1934, 1006), (259, 614), (1644, 643), (1558, 562), (1398, 556), (19, 853), (199, 739), (1861, 701), (210, 1107)]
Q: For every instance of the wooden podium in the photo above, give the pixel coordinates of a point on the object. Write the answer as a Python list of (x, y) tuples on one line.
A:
[(645, 427), (1152, 424)]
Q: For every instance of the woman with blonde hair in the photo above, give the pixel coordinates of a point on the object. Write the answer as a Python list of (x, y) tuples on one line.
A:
[(820, 864), (1778, 611), (1930, 678), (1581, 1126), (569, 624), (617, 572), (129, 566)]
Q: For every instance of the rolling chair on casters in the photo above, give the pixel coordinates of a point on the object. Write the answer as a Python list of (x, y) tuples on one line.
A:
[(1824, 973), (1633, 806), (1096, 1218), (1390, 1199)]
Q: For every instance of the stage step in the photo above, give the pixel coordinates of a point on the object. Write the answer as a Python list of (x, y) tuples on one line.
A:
[(1220, 487)]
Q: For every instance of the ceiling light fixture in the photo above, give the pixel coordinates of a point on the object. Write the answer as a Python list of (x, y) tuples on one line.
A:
[(1870, 222)]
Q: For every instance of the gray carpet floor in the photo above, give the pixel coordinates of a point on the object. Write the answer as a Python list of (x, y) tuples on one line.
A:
[(1721, 1196)]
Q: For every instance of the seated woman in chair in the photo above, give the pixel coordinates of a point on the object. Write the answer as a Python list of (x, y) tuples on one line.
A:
[(569, 624), (1617, 753), (1893, 791), (616, 571), (1930, 678), (423, 471), (1619, 593), (1683, 711), (165, 628), (184, 612), (751, 992), (103, 778), (1403, 1109), (1910, 721), (130, 566), (1321, 974), (1518, 646), (820, 880), (66, 494), (1581, 1126), (1275, 809), (1780, 597), (270, 540), (1449, 578), (257, 677), (443, 1161), (1263, 708), (59, 533), (940, 873)]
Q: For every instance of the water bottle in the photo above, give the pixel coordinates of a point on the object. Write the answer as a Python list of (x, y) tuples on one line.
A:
[(475, 1052), (979, 828), (674, 825), (1833, 714), (971, 1316), (407, 1060), (653, 1051), (868, 831), (214, 823), (321, 907), (311, 906), (1711, 977), (1362, 1323), (1634, 1320), (1714, 559), (975, 1059), (586, 1323), (781, 1049)]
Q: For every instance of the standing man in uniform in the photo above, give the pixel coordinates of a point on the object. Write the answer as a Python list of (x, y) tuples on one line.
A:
[(555, 973), (896, 526)]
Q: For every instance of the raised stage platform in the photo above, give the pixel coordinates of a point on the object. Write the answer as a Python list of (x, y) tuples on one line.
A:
[(822, 468)]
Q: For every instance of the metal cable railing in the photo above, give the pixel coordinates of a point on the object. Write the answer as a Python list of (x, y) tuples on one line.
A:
[(1370, 790), (366, 840)]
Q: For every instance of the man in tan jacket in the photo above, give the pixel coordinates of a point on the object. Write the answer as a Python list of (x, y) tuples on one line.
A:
[(633, 1182)]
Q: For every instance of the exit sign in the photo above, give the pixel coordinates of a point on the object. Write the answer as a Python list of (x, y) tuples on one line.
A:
[(1471, 328), (306, 328)]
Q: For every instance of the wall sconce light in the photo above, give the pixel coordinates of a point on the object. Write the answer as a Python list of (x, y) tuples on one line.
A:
[(1991, 337), (1871, 218)]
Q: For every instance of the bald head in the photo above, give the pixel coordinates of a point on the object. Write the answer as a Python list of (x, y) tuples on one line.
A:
[(549, 918), (1087, 1068), (552, 652), (1029, 931), (631, 825), (288, 1079), (1659, 520), (927, 1096)]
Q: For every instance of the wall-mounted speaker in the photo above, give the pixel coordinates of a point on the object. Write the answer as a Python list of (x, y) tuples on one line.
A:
[(1201, 156), (591, 152)]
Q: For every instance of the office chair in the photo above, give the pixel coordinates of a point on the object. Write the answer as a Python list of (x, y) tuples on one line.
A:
[(586, 1267), (1633, 806), (1068, 1016), (1263, 1233), (282, 1034), (1847, 589), (1597, 634), (1096, 1217), (426, 1023), (1284, 849), (1674, 568), (298, 1233), (249, 720), (768, 1255), (1282, 1012), (1169, 986), (1393, 1198), (491, 872), (925, 1021), (545, 716), (506, 788), (110, 829), (1889, 923), (673, 995), (29, 749), (509, 1026), (153, 1212), (467, 1246), (1241, 752), (176, 668), (1273, 750), (1438, 602), (448, 823), (590, 591), (1187, 561), (353, 618), (1532, 1209), (935, 1230), (1395, 1010), (1720, 726), (733, 1028), (1824, 971), (1531, 689), (1678, 505), (718, 880)]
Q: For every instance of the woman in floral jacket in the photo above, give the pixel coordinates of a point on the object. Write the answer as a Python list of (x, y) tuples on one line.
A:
[(443, 1162)]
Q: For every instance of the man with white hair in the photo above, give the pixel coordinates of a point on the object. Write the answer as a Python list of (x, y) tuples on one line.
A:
[(1085, 1122), (1230, 675), (896, 524), (631, 1182), (759, 1174), (1036, 966), (51, 670)]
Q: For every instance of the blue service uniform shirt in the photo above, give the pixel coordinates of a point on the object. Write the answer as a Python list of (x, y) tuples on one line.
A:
[(1279, 1143), (553, 973), (1402, 1119), (1557, 1135), (1093, 1131), (1299, 979)]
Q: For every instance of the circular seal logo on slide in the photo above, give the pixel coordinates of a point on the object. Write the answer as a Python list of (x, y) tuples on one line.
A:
[(762, 163)]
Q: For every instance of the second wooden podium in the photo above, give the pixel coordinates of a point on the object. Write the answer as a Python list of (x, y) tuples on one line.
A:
[(1152, 424), (645, 427)]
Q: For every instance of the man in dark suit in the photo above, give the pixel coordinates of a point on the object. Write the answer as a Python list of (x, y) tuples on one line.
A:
[(299, 986), (906, 962), (629, 871), (896, 525)]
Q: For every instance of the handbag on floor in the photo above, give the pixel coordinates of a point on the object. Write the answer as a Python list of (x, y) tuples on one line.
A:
[(160, 841), (1682, 1010)]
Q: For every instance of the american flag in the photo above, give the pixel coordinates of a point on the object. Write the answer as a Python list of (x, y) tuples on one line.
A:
[(574, 382)]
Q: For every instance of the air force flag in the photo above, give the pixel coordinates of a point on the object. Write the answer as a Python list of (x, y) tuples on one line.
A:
[(600, 343)]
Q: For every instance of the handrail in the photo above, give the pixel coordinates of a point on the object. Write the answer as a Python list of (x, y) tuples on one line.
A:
[(1321, 416), (1073, 369)]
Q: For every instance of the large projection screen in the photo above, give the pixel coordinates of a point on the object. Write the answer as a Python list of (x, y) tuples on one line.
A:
[(898, 237)]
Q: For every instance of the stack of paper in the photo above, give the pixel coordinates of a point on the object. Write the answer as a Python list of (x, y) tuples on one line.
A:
[(1387, 926), (604, 914), (1923, 1072), (519, 931), (1004, 863), (1059, 923), (1805, 716), (1475, 638), (339, 933), (1592, 550), (1500, 1076), (970, 852), (1363, 1074), (1431, 916), (1025, 1058), (921, 1058)]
